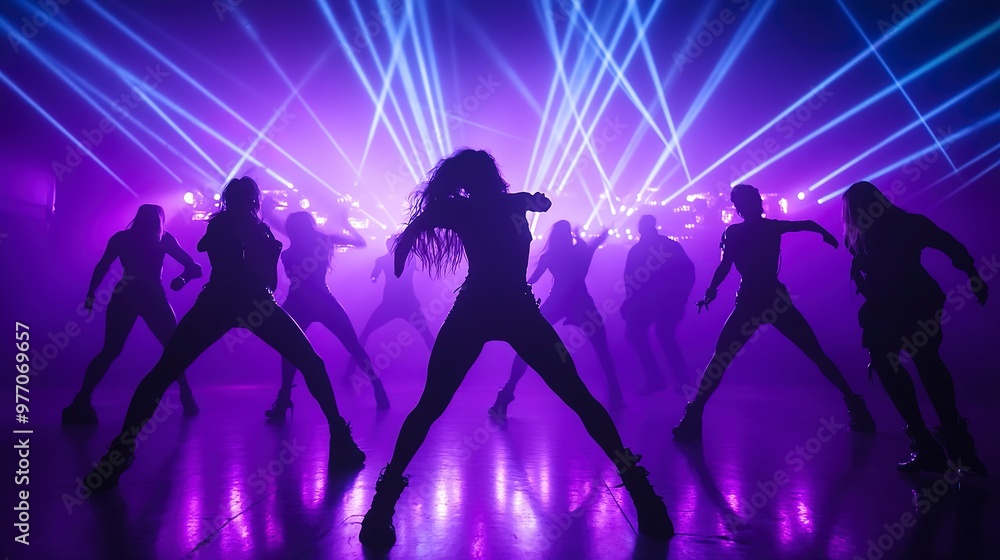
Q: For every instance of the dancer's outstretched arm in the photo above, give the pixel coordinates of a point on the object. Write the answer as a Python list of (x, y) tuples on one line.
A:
[(809, 225), (111, 252), (192, 269), (937, 238)]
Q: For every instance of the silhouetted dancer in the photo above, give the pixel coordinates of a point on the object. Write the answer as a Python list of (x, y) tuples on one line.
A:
[(139, 293), (903, 312), (399, 301), (658, 280), (568, 258), (307, 261), (244, 258), (465, 208), (754, 247)]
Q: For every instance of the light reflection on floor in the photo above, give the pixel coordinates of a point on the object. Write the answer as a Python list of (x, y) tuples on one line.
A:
[(536, 488)]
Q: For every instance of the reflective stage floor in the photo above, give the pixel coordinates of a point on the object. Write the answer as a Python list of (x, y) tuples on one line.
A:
[(778, 476)]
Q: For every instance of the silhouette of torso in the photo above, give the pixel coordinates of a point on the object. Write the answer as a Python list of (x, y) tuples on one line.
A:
[(569, 266), (496, 238), (658, 271), (309, 266), (755, 248), (243, 254), (142, 260), (890, 257)]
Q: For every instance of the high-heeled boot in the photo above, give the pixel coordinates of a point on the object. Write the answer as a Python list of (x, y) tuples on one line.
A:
[(276, 415), (653, 519), (498, 411), (377, 530), (345, 454), (108, 469), (860, 419), (926, 454), (961, 449)]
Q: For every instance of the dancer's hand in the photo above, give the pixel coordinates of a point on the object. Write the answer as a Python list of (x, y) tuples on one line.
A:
[(177, 283), (829, 239), (710, 296), (88, 303)]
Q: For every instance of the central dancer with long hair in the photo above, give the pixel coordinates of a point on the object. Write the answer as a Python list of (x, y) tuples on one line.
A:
[(465, 209)]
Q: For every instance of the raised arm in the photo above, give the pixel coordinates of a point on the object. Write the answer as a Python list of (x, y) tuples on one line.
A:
[(111, 252), (808, 225), (192, 269), (937, 238), (348, 236), (596, 242)]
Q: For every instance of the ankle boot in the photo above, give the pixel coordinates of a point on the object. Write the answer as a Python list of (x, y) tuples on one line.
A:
[(926, 454), (276, 415), (961, 449), (109, 468), (377, 530), (653, 519), (345, 454), (689, 430), (499, 409), (80, 412), (861, 419)]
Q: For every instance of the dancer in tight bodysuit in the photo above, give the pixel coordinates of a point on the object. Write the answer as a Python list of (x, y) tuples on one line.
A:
[(754, 247), (465, 209), (140, 248)]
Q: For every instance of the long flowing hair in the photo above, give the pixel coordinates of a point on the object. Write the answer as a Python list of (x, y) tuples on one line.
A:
[(561, 237), (147, 223), (864, 206), (240, 196), (303, 233), (465, 174)]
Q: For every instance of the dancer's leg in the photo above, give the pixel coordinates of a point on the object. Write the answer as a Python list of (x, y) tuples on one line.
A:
[(637, 334), (162, 321), (418, 321), (937, 381), (538, 344), (455, 350), (379, 318), (599, 340), (332, 316), (666, 333), (120, 319), (199, 329), (794, 326), (737, 330), (279, 331)]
